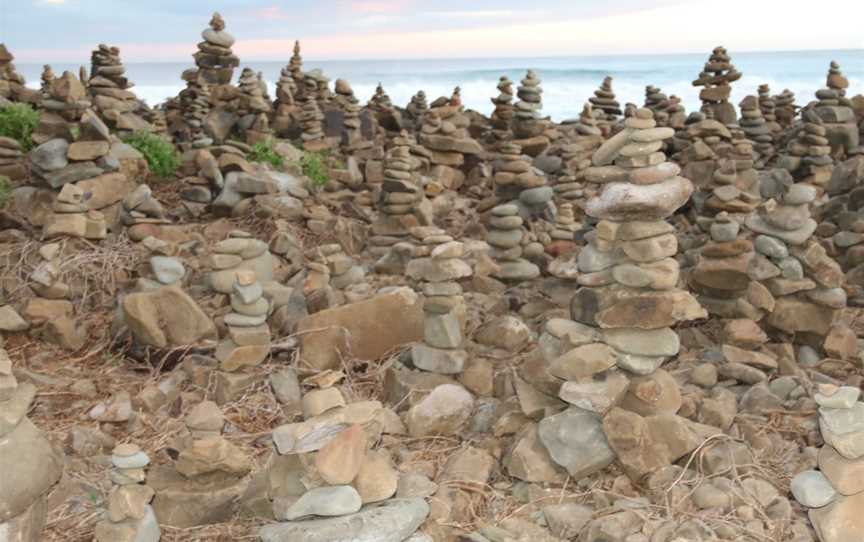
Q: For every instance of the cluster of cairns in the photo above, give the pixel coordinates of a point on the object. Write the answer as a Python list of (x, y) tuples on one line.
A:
[(716, 78), (579, 323)]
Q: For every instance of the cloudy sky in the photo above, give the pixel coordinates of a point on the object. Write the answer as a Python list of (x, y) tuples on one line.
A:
[(167, 30)]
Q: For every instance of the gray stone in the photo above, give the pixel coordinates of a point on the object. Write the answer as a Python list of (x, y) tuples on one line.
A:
[(845, 397), (321, 501), (771, 247), (812, 489), (438, 360), (51, 155), (575, 440), (653, 342), (167, 270), (390, 521), (10, 320)]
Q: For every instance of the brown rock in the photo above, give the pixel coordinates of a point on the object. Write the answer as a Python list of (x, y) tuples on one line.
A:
[(339, 461), (377, 479)]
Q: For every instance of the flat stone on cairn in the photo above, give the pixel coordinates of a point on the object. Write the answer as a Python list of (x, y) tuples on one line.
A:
[(31, 466), (604, 102), (716, 77), (834, 494), (215, 60)]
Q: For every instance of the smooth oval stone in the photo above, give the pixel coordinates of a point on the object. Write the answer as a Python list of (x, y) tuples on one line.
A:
[(652, 134), (654, 174), (624, 202), (324, 501), (812, 489)]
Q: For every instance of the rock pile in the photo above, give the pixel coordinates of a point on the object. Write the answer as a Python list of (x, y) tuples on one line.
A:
[(342, 269), (13, 86), (247, 344), (834, 494), (380, 100), (12, 164), (52, 306), (502, 117), (805, 281), (768, 106), (757, 130), (141, 207), (129, 517), (444, 309), (445, 134), (527, 122), (295, 68), (311, 120), (418, 106), (701, 146), (65, 105), (518, 181), (239, 252), (352, 138), (109, 89), (194, 103), (286, 108), (401, 193), (29, 463), (835, 110), (735, 186), (808, 156), (505, 236), (73, 218), (785, 108), (604, 102), (716, 77), (214, 59)]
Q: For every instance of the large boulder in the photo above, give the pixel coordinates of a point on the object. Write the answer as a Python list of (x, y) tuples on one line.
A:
[(166, 317)]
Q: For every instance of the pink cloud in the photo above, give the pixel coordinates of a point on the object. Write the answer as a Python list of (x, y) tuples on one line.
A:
[(271, 13), (378, 6)]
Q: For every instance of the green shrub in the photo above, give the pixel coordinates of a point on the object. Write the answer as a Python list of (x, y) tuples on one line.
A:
[(314, 165), (161, 155), (264, 153), (5, 190), (18, 122)]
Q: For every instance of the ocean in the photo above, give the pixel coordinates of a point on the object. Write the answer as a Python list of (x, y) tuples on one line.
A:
[(567, 81)]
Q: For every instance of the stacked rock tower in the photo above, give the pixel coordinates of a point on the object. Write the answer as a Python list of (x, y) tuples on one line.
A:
[(716, 78)]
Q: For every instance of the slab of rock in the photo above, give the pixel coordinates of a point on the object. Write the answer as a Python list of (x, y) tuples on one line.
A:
[(840, 521), (166, 317), (443, 412), (845, 475), (339, 461), (366, 330), (30, 467), (391, 521), (322, 501), (575, 440), (812, 489)]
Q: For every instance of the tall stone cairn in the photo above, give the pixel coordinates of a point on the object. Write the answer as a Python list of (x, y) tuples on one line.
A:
[(835, 110), (716, 78), (527, 120), (214, 59), (502, 116), (785, 108), (605, 102), (757, 130)]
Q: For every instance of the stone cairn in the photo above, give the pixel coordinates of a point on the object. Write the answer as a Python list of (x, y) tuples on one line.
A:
[(46, 283), (12, 163), (785, 109), (214, 59), (109, 88), (352, 138), (445, 135), (47, 79), (628, 272), (517, 180), (295, 68), (29, 463), (248, 342), (141, 207), (703, 144), (72, 217), (65, 105), (417, 107), (311, 120), (735, 183), (505, 236), (675, 112), (194, 103), (808, 156), (341, 268), (527, 122), (768, 106), (442, 349), (400, 195), (129, 516), (835, 110), (13, 86), (716, 78), (253, 100), (286, 106), (380, 100), (723, 277), (834, 494), (502, 117), (756, 129), (318, 84), (805, 281), (576, 156), (605, 105)]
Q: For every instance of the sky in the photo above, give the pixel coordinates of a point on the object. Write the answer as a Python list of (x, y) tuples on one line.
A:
[(168, 30)]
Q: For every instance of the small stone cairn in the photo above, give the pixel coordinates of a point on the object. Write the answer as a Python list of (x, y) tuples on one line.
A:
[(129, 517), (722, 278), (239, 252), (214, 59), (248, 342), (735, 184), (785, 109), (502, 117), (442, 349), (29, 463), (756, 129), (417, 107), (605, 105), (707, 141), (295, 68), (287, 102), (342, 269), (768, 106), (527, 121), (400, 194), (109, 87), (13, 86), (311, 120), (141, 207), (445, 134), (253, 99), (808, 156), (805, 281), (73, 218), (505, 235), (380, 100), (352, 138), (835, 110), (716, 78), (834, 494)]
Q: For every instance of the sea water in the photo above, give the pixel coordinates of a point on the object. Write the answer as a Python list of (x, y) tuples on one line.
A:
[(567, 84)]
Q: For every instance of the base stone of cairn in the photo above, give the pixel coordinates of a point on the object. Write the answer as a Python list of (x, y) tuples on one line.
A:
[(215, 60), (129, 517), (30, 465), (442, 349), (716, 78), (72, 217), (834, 494), (808, 156), (805, 281), (835, 110)]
